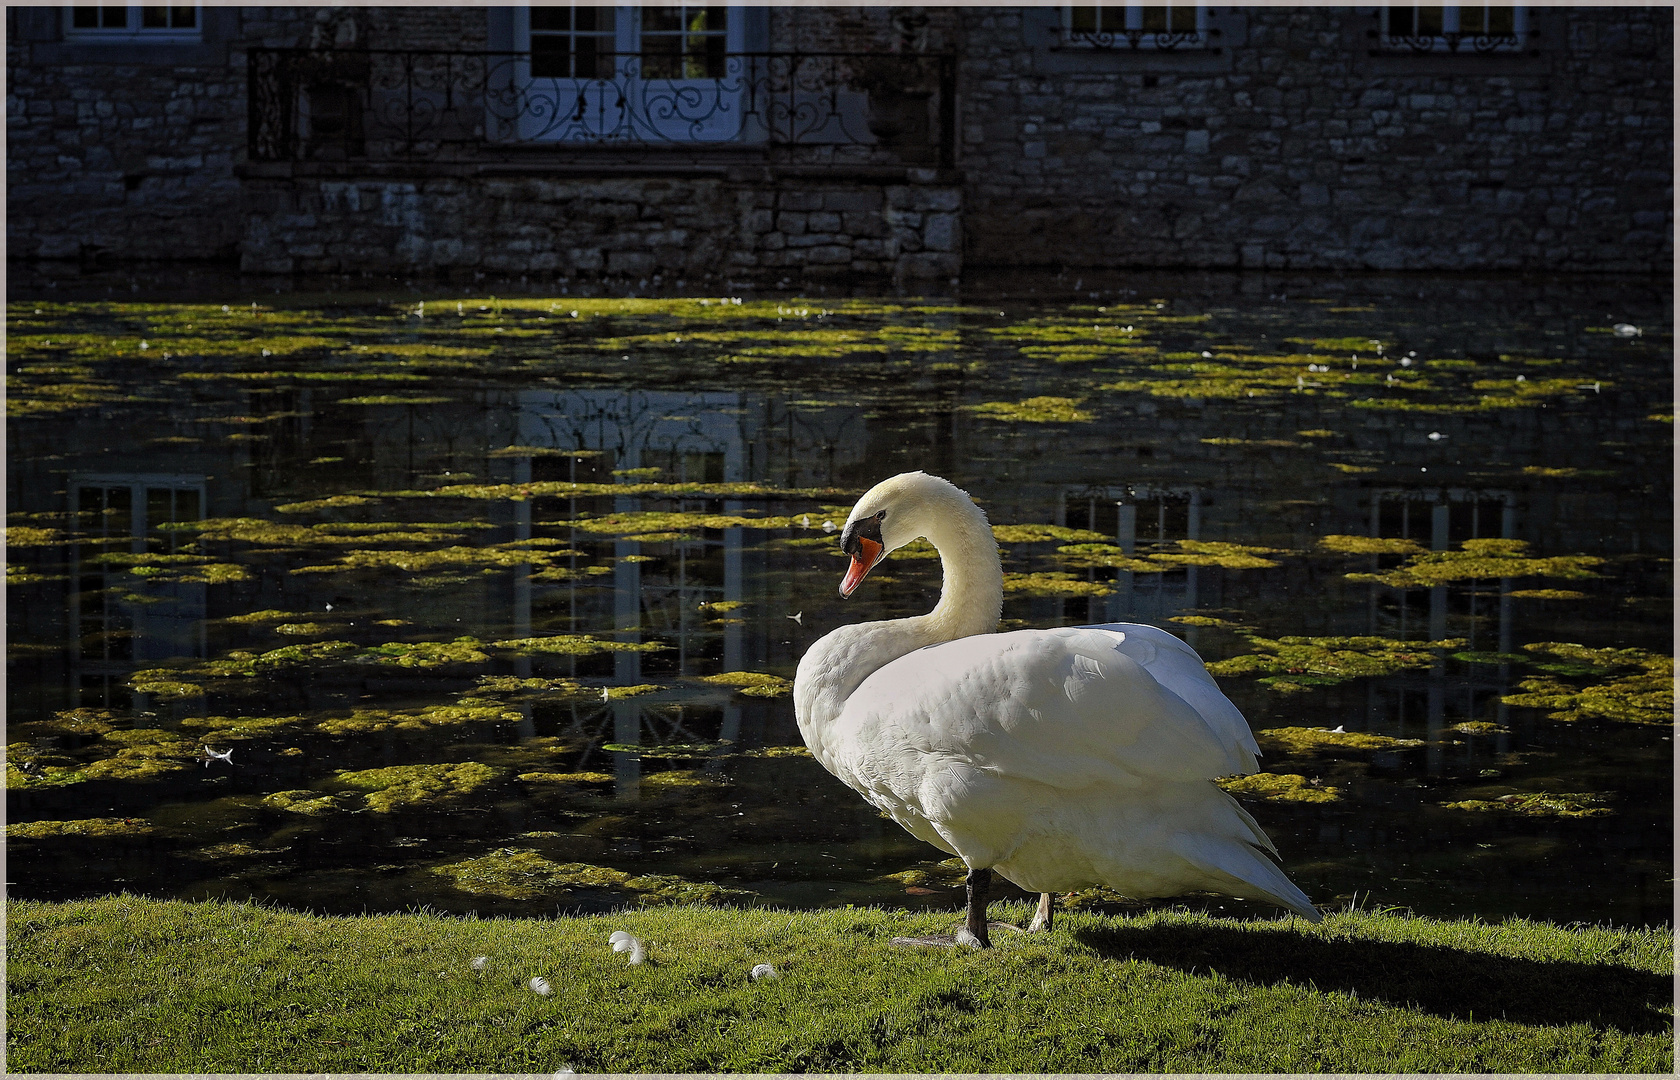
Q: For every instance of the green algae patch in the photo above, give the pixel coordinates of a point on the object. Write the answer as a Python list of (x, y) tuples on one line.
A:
[(331, 502), (401, 787), (266, 615), (1038, 534), (680, 778), (428, 654), (945, 874), (1480, 727), (241, 728), (1218, 553), (575, 645), (1281, 787), (487, 559), (30, 536), (1571, 804), (1306, 742), (1204, 620), (1343, 544), (1488, 558), (396, 399), (304, 801), (1352, 470), (100, 828), (1053, 583), (668, 750), (1106, 556), (1547, 594), (540, 451), (159, 684), (523, 874), (1036, 410), (777, 752), (515, 686), (566, 778), (1631, 686), (744, 489), (131, 755), (369, 721), (616, 693), (1294, 664), (646, 524), (752, 683)]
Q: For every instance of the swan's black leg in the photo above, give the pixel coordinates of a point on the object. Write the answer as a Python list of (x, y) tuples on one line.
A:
[(1045, 916), (974, 931)]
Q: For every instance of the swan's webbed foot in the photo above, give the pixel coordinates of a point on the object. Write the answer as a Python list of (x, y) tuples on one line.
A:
[(1045, 917), (975, 931)]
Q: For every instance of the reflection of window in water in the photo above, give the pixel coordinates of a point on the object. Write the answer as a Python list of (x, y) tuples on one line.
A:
[(118, 619)]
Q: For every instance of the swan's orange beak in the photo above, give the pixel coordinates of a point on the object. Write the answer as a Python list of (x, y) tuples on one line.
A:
[(868, 553)]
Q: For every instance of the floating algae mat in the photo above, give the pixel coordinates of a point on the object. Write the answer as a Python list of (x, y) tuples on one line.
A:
[(492, 600)]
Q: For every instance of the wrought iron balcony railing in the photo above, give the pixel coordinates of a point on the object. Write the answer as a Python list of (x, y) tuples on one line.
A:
[(426, 105)]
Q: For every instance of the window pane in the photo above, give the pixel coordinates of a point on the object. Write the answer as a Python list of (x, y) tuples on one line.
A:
[(183, 18), (1113, 19), (552, 18), (662, 19), (1400, 20), (84, 18), (591, 20), (550, 59), (1184, 20), (662, 57), (1084, 20), (154, 18), (113, 18), (716, 20), (1429, 22), (1502, 21), (1154, 19)]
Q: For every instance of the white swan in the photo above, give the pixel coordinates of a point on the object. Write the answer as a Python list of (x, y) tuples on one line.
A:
[(1062, 759)]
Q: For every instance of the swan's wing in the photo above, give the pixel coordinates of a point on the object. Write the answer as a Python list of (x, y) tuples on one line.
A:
[(1177, 666), (1063, 707)]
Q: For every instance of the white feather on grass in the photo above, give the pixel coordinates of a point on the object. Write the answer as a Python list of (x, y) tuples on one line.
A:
[(540, 985), (628, 943), (478, 962), (764, 971)]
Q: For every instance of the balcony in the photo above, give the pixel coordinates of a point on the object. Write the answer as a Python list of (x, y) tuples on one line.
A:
[(425, 109)]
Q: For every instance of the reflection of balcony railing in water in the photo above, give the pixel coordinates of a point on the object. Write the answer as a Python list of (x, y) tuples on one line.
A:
[(441, 106)]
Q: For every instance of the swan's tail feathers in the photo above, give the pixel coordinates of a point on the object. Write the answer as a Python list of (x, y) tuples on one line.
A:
[(1241, 870)]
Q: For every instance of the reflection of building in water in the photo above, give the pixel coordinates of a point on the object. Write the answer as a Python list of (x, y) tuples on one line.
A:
[(671, 581), (118, 620), (1441, 519)]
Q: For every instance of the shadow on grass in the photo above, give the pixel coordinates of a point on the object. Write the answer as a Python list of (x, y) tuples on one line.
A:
[(1445, 981)]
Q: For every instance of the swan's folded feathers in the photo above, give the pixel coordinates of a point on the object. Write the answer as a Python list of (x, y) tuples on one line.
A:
[(1067, 708)]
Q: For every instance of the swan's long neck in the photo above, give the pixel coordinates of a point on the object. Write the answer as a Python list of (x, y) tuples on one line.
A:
[(970, 603)]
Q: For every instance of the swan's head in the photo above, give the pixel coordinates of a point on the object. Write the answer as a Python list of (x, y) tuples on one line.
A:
[(895, 512)]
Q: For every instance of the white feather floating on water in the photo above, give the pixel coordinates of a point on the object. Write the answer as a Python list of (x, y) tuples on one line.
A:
[(628, 943), (829, 526), (604, 695), (478, 962), (540, 985), (798, 617), (764, 971)]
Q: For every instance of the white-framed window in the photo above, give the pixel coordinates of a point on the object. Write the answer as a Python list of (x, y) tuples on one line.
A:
[(1456, 28), (630, 73), (1136, 26), (137, 23)]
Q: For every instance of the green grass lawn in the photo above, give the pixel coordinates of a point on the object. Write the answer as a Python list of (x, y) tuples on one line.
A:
[(126, 984)]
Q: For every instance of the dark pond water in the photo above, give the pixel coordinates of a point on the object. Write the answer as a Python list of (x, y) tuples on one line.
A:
[(448, 573)]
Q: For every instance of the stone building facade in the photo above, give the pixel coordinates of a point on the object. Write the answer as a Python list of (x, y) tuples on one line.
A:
[(953, 137)]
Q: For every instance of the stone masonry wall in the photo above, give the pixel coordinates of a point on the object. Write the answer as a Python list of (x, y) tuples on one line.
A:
[(1294, 146), (691, 229), (1290, 146)]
